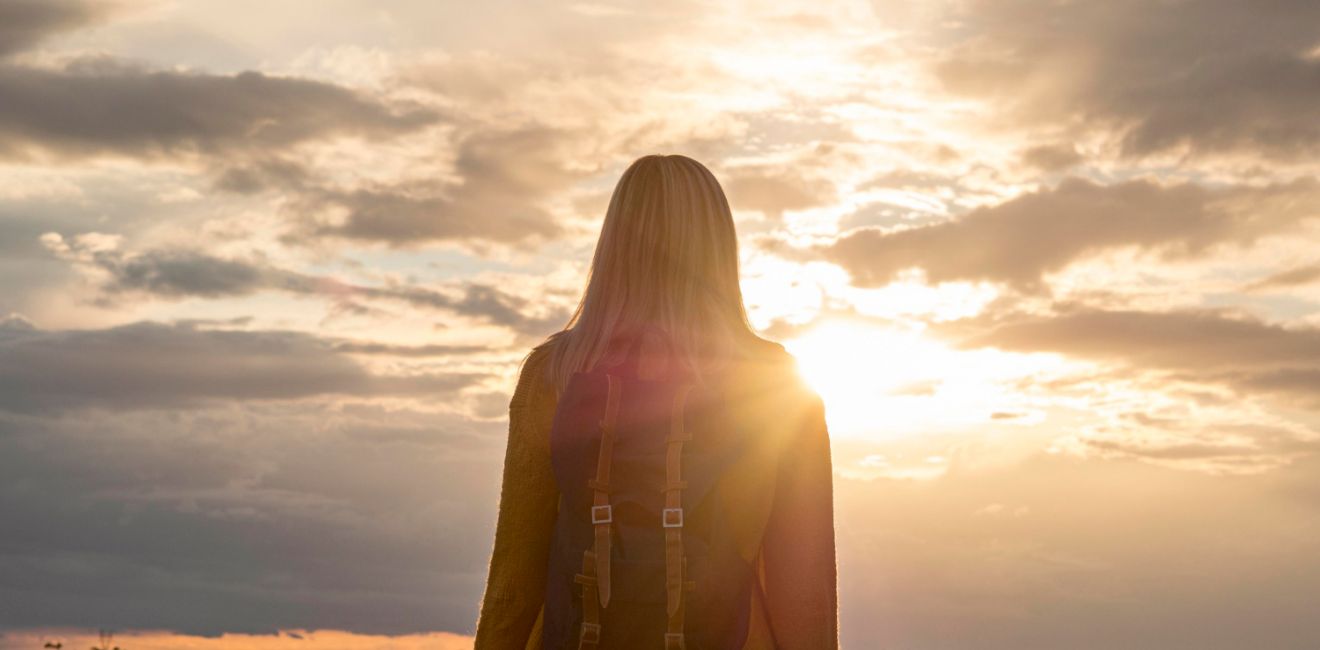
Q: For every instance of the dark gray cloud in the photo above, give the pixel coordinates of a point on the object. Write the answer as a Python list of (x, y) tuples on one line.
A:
[(154, 365), (1292, 277), (1199, 346), (179, 273), (1202, 339), (249, 517), (150, 470), (244, 125), (105, 106), (1211, 76), (410, 216), (483, 302), (504, 180), (1051, 157), (25, 23), (261, 174), (391, 349), (1018, 241), (506, 176)]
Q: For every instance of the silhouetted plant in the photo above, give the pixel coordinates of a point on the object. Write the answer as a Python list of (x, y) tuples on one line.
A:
[(106, 637)]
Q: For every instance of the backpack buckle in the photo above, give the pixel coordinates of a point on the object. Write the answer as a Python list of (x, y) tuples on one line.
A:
[(590, 633), (602, 514), (672, 517), (674, 641)]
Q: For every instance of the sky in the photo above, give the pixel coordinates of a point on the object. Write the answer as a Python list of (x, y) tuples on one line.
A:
[(267, 270)]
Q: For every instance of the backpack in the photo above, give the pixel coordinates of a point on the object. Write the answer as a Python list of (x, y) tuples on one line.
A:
[(641, 556)]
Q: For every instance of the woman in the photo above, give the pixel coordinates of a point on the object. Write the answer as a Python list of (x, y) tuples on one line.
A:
[(663, 295)]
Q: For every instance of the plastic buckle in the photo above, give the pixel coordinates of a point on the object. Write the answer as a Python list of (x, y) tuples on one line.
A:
[(602, 514), (674, 641), (590, 632), (672, 517)]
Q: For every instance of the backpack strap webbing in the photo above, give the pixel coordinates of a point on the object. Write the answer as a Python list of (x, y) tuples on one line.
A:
[(589, 635), (672, 520), (596, 560)]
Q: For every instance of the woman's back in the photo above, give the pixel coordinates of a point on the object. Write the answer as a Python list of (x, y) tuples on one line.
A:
[(759, 490), (647, 550)]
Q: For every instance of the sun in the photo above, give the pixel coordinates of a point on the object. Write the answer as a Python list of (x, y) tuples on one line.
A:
[(884, 383), (856, 368), (844, 360)]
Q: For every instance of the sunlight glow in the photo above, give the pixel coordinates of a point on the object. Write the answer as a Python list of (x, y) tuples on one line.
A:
[(891, 384)]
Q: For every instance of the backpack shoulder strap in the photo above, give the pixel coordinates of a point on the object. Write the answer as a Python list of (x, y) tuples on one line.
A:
[(671, 518), (595, 576)]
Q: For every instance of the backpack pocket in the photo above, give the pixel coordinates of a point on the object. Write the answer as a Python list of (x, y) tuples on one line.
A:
[(639, 581)]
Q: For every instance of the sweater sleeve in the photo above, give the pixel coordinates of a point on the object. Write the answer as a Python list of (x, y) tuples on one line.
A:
[(529, 500), (800, 571)]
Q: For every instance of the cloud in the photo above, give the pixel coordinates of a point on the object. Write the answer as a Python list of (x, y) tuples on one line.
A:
[(1107, 554), (180, 273), (1223, 449), (1051, 157), (1201, 346), (1207, 76), (391, 349), (1204, 339), (773, 190), (1020, 240), (263, 514), (25, 23), (103, 106), (1301, 275), (246, 124), (253, 176), (154, 365), (506, 176)]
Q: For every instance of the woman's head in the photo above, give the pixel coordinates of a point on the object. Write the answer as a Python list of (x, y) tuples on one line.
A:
[(667, 256)]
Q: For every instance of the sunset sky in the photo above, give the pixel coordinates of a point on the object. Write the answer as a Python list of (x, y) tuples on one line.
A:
[(267, 269)]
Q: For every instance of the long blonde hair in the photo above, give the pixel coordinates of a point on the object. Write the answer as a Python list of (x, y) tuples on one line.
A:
[(667, 256)]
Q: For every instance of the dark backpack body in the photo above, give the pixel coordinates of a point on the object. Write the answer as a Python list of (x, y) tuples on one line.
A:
[(715, 600)]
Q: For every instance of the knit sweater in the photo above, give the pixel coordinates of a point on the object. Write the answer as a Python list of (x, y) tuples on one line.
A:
[(786, 499)]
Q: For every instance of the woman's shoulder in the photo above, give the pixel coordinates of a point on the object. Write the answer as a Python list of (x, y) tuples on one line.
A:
[(539, 355), (773, 359), (769, 373), (534, 375)]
